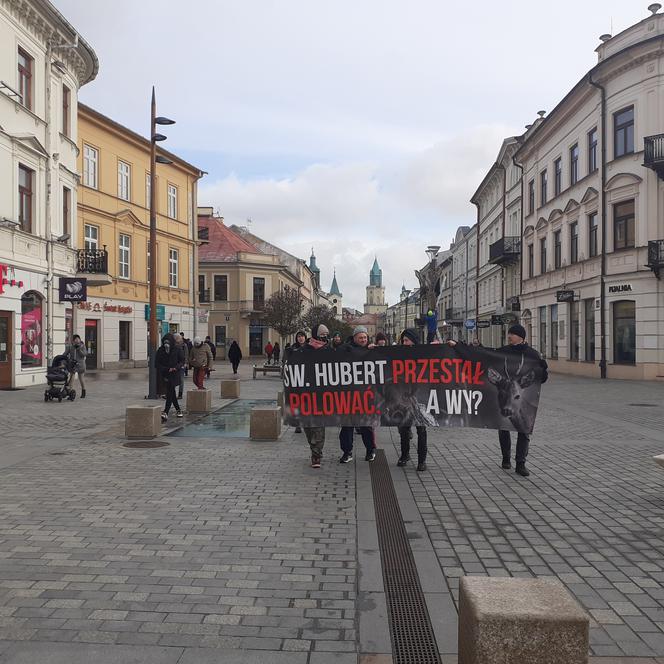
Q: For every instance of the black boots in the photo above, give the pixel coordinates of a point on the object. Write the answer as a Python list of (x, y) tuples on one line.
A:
[(506, 463), (522, 470), (403, 459), (82, 394)]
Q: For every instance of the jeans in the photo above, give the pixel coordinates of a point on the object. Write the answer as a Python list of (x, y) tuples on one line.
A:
[(171, 399), (405, 434), (199, 376), (81, 379), (346, 438), (181, 388), (235, 365), (522, 443)]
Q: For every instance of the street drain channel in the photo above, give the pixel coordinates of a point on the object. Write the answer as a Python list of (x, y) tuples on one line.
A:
[(643, 405), (413, 640), (145, 444)]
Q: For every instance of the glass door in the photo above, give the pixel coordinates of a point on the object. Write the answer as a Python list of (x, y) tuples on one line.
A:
[(5, 350), (91, 342)]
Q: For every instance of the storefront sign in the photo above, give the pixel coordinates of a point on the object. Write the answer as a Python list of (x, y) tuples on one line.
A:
[(565, 296), (8, 278), (620, 288), (203, 315), (496, 319), (110, 308), (161, 312), (73, 289), (482, 324)]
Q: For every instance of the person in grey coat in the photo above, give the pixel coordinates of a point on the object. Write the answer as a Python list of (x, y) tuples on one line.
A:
[(76, 354)]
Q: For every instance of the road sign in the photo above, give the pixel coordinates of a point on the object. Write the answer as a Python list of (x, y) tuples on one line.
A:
[(469, 324)]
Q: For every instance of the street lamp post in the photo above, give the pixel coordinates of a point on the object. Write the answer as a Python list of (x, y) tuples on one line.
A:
[(153, 392)]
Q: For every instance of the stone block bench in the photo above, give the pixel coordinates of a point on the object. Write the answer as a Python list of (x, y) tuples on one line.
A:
[(199, 401), (268, 369), (143, 421), (230, 388), (520, 621), (265, 423)]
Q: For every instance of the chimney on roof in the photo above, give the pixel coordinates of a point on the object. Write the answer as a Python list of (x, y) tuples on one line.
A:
[(605, 37), (541, 113), (654, 8)]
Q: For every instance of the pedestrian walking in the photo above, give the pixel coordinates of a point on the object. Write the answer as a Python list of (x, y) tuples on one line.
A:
[(76, 354), (360, 339), (409, 337), (316, 435), (276, 352), (200, 359), (234, 355), (269, 349), (169, 365), (213, 350), (181, 349)]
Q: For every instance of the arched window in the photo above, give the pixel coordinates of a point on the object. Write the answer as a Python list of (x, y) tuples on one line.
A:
[(32, 326), (624, 332)]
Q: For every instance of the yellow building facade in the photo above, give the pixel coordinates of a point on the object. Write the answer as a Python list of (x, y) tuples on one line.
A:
[(113, 239)]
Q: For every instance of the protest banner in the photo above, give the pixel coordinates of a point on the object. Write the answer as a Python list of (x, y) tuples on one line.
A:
[(432, 385)]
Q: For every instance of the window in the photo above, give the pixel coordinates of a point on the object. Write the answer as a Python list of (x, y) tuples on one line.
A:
[(219, 335), (25, 66), (220, 288), (589, 306), (66, 110), (25, 184), (543, 187), (148, 185), (592, 150), (202, 295), (32, 326), (543, 255), (124, 349), (66, 210), (624, 332), (531, 197), (557, 250), (91, 237), (623, 225), (574, 242), (542, 331), (623, 132), (124, 180), (172, 201), (592, 234), (558, 176), (173, 268), (554, 331), (90, 159), (574, 164), (124, 257), (259, 292), (531, 261), (574, 331)]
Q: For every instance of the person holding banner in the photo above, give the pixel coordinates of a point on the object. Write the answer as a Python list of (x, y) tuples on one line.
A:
[(300, 342), (360, 339), (409, 338), (315, 435)]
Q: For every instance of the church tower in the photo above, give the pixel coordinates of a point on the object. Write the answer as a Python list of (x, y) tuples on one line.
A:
[(375, 303), (336, 296), (314, 268)]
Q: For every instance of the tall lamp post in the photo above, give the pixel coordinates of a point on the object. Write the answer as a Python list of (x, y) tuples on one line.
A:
[(153, 392)]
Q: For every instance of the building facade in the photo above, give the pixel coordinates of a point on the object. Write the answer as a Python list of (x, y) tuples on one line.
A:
[(113, 236), (43, 63), (463, 277), (403, 314), (592, 301)]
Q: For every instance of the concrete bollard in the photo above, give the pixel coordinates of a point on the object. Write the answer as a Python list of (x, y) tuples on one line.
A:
[(659, 460), (199, 401), (280, 399), (230, 388), (529, 621), (265, 423), (143, 421)]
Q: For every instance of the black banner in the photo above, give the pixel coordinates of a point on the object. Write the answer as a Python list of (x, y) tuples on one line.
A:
[(433, 385), (73, 289)]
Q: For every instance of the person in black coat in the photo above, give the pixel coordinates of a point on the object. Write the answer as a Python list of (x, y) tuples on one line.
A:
[(234, 355), (169, 362)]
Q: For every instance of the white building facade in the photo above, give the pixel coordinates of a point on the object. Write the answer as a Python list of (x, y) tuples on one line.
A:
[(593, 240), (43, 62), (463, 278)]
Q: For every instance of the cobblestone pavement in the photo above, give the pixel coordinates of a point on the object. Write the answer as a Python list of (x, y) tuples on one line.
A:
[(590, 514), (212, 546)]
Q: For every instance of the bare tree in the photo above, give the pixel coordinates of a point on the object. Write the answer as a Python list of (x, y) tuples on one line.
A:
[(283, 312), (322, 314)]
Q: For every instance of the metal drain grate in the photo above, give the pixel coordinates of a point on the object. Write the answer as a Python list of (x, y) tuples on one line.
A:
[(643, 405), (413, 641), (145, 444)]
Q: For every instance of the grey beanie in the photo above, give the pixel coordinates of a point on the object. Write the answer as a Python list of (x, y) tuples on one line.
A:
[(359, 329)]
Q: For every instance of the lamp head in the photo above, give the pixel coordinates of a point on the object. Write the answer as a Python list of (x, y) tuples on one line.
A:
[(161, 120)]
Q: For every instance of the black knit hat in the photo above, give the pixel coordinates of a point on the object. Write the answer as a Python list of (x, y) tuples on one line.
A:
[(519, 330), (411, 333)]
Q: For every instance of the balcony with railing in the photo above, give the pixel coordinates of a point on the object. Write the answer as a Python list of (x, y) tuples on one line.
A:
[(653, 154), (505, 251), (92, 264), (656, 256)]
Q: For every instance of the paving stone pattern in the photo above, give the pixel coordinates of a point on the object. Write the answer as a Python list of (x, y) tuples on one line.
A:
[(591, 513)]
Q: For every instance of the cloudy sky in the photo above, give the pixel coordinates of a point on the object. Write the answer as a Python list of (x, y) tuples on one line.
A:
[(359, 127)]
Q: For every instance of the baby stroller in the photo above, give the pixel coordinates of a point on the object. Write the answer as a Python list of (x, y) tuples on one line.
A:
[(58, 376)]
